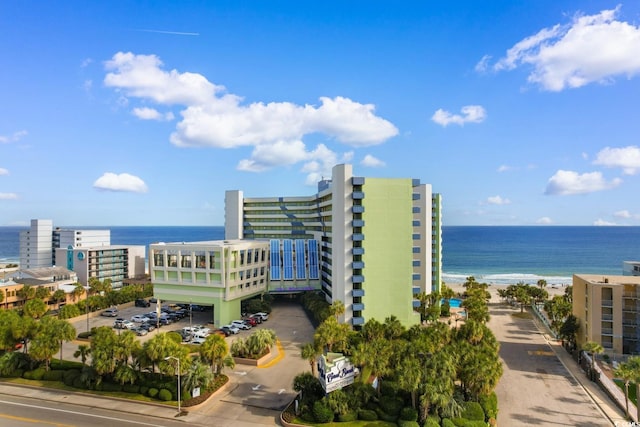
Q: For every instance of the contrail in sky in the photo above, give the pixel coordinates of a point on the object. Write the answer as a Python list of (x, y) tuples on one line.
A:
[(177, 33)]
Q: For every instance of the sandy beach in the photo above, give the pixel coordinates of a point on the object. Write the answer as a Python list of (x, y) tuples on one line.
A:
[(493, 290)]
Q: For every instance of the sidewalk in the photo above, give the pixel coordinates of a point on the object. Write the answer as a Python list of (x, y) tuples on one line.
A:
[(203, 414), (602, 400)]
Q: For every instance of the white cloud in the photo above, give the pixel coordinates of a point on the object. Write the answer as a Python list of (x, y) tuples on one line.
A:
[(214, 118), (8, 196), (4, 171), (504, 168), (120, 182), (497, 200), (622, 214), (627, 158), (146, 113), (593, 48), (16, 136), (545, 220), (602, 222), (470, 114), (569, 182), (372, 162)]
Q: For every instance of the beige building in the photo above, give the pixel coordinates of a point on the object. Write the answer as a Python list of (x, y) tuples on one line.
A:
[(608, 308), (51, 278)]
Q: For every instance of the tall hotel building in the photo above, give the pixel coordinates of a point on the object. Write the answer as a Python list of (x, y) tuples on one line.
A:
[(372, 243)]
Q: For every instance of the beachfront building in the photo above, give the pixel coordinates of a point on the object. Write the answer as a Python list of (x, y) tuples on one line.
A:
[(219, 274), (38, 244), (608, 309), (631, 268), (372, 243), (113, 262)]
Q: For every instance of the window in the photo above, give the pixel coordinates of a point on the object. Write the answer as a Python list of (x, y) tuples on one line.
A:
[(172, 259), (158, 258), (201, 260), (185, 261), (212, 260)]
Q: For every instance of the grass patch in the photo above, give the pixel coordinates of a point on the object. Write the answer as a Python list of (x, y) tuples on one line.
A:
[(632, 390), (524, 315)]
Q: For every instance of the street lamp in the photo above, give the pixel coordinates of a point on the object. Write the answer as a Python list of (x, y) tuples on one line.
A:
[(86, 306), (177, 360)]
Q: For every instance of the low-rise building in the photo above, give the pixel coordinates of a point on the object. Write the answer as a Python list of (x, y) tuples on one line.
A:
[(51, 278), (608, 310)]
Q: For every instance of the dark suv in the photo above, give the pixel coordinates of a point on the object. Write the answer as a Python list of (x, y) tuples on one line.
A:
[(142, 303)]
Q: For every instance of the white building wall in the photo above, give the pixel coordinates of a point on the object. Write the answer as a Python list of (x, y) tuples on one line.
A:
[(83, 238), (36, 247), (342, 232), (233, 202)]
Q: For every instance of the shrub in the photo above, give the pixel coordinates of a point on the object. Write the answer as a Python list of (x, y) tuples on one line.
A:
[(84, 335), (321, 412), (432, 421), (446, 422), (111, 386), (131, 388), (389, 388), (463, 422), (77, 382), (409, 414), (405, 423), (144, 390), (348, 417), (473, 411), (69, 376), (367, 415), (152, 392), (53, 375), (391, 405), (165, 395), (36, 374), (490, 405), (64, 365)]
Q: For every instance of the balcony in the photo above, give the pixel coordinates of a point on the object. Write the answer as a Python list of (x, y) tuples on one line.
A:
[(357, 209), (356, 321), (357, 251), (357, 293), (357, 306), (357, 237), (607, 303), (357, 195), (357, 278), (357, 265), (357, 223)]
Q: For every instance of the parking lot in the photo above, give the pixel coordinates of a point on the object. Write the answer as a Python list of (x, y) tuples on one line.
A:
[(127, 311)]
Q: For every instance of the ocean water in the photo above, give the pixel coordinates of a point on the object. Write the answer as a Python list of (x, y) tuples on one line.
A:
[(493, 254)]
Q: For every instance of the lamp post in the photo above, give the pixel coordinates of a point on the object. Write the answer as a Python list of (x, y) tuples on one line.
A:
[(86, 306), (177, 360)]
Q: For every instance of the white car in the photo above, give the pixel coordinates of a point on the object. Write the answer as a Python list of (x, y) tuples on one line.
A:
[(201, 333), (197, 340), (240, 324), (139, 318), (232, 328), (262, 315)]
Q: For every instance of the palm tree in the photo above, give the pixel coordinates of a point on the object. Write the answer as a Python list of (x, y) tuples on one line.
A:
[(198, 375), (337, 309), (35, 308), (310, 353), (410, 377), (26, 293), (542, 283), (214, 349), (82, 352), (59, 296), (626, 373), (78, 290), (42, 293), (593, 348)]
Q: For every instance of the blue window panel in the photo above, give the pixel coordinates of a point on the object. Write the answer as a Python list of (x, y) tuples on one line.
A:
[(314, 271), (301, 265), (358, 306), (357, 320), (287, 259), (275, 259), (357, 292)]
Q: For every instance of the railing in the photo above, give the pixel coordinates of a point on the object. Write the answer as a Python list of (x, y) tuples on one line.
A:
[(543, 319)]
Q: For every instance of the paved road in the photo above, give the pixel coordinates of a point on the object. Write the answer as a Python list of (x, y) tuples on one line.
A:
[(535, 388)]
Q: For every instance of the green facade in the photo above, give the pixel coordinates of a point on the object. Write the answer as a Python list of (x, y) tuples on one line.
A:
[(388, 243)]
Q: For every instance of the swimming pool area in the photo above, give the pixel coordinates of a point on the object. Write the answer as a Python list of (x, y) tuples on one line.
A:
[(453, 302)]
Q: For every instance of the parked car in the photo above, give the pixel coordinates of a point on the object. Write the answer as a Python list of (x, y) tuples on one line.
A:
[(257, 318), (110, 312), (149, 326), (197, 340), (226, 331), (232, 328), (264, 316), (123, 324), (250, 321), (139, 331), (139, 318), (142, 303), (221, 332), (241, 325)]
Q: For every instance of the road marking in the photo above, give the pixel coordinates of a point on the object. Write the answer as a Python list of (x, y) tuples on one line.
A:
[(278, 358), (256, 388), (65, 411), (33, 420), (282, 390), (240, 373)]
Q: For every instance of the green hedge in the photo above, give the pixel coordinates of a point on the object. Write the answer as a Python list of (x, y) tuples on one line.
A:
[(409, 414), (473, 411), (490, 405), (165, 395), (348, 417), (446, 422), (406, 423), (153, 392), (131, 388), (53, 375), (367, 415), (321, 412)]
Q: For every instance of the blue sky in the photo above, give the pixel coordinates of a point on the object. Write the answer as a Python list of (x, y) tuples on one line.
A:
[(144, 113)]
